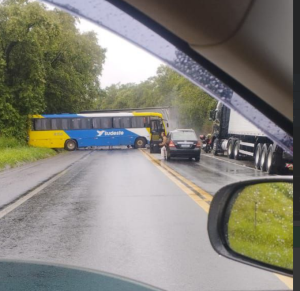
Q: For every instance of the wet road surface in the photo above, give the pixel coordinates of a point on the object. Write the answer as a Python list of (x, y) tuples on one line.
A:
[(115, 211), (212, 173), (17, 181)]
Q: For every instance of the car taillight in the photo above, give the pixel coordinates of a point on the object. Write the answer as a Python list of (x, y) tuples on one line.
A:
[(198, 145), (171, 144)]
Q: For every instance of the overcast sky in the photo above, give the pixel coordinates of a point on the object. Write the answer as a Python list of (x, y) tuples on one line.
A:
[(125, 63)]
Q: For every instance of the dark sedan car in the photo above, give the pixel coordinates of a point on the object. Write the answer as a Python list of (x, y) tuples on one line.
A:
[(183, 143)]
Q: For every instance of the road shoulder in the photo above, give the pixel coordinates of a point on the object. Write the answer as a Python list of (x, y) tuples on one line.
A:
[(16, 182)]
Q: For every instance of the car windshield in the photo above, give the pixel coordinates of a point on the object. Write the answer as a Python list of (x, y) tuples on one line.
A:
[(184, 135), (88, 178)]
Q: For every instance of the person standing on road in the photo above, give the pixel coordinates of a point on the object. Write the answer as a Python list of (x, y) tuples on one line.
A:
[(163, 145)]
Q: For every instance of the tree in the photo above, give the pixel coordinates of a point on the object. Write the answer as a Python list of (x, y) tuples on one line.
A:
[(46, 64), (167, 88)]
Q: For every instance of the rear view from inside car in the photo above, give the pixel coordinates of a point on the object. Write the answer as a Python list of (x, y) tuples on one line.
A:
[(146, 145)]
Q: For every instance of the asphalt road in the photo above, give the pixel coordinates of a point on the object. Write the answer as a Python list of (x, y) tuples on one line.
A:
[(212, 173), (116, 211)]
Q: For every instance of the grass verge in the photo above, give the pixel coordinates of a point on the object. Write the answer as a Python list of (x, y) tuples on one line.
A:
[(261, 224), (14, 153)]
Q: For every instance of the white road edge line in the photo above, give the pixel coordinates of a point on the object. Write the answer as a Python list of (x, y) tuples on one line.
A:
[(24, 198), (243, 166)]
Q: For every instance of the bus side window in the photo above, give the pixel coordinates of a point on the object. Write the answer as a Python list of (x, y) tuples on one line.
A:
[(86, 123), (139, 122), (106, 122), (75, 123), (38, 124), (117, 122), (56, 124), (65, 124), (125, 122), (96, 122), (45, 124)]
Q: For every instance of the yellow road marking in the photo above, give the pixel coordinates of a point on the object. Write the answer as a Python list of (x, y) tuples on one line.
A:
[(202, 202), (288, 281), (185, 185)]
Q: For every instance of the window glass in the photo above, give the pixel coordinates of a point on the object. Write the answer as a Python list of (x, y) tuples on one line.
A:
[(96, 122), (42, 124), (117, 122), (184, 135), (65, 123), (55, 124), (155, 125), (106, 122), (86, 123), (126, 122), (75, 123), (138, 122), (37, 124)]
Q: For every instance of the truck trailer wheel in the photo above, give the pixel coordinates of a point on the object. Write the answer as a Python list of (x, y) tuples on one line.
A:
[(236, 150), (230, 149), (257, 156), (263, 157), (215, 147), (274, 162)]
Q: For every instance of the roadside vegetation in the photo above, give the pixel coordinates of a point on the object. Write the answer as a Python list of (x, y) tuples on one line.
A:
[(261, 224), (14, 153), (48, 66), (167, 88)]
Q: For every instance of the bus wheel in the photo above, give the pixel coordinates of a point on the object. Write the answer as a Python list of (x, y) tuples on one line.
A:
[(140, 143), (70, 145), (257, 156), (263, 158)]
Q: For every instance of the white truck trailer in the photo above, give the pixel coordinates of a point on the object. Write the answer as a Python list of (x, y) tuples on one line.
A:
[(236, 136)]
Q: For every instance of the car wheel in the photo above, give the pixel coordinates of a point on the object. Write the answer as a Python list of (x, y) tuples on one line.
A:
[(70, 145), (230, 149), (140, 143), (263, 157), (236, 150), (257, 156)]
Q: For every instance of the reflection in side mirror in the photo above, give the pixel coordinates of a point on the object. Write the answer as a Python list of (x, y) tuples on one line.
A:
[(260, 223), (252, 222)]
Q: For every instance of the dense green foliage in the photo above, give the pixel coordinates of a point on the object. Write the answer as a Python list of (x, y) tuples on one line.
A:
[(46, 64), (167, 88), (13, 153)]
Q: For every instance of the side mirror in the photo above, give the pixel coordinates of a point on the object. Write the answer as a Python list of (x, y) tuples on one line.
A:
[(252, 222)]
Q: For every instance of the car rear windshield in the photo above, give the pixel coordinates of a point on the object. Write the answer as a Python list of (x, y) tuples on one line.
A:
[(184, 135)]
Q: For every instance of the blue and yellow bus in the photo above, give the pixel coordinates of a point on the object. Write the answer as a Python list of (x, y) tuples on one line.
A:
[(72, 131)]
